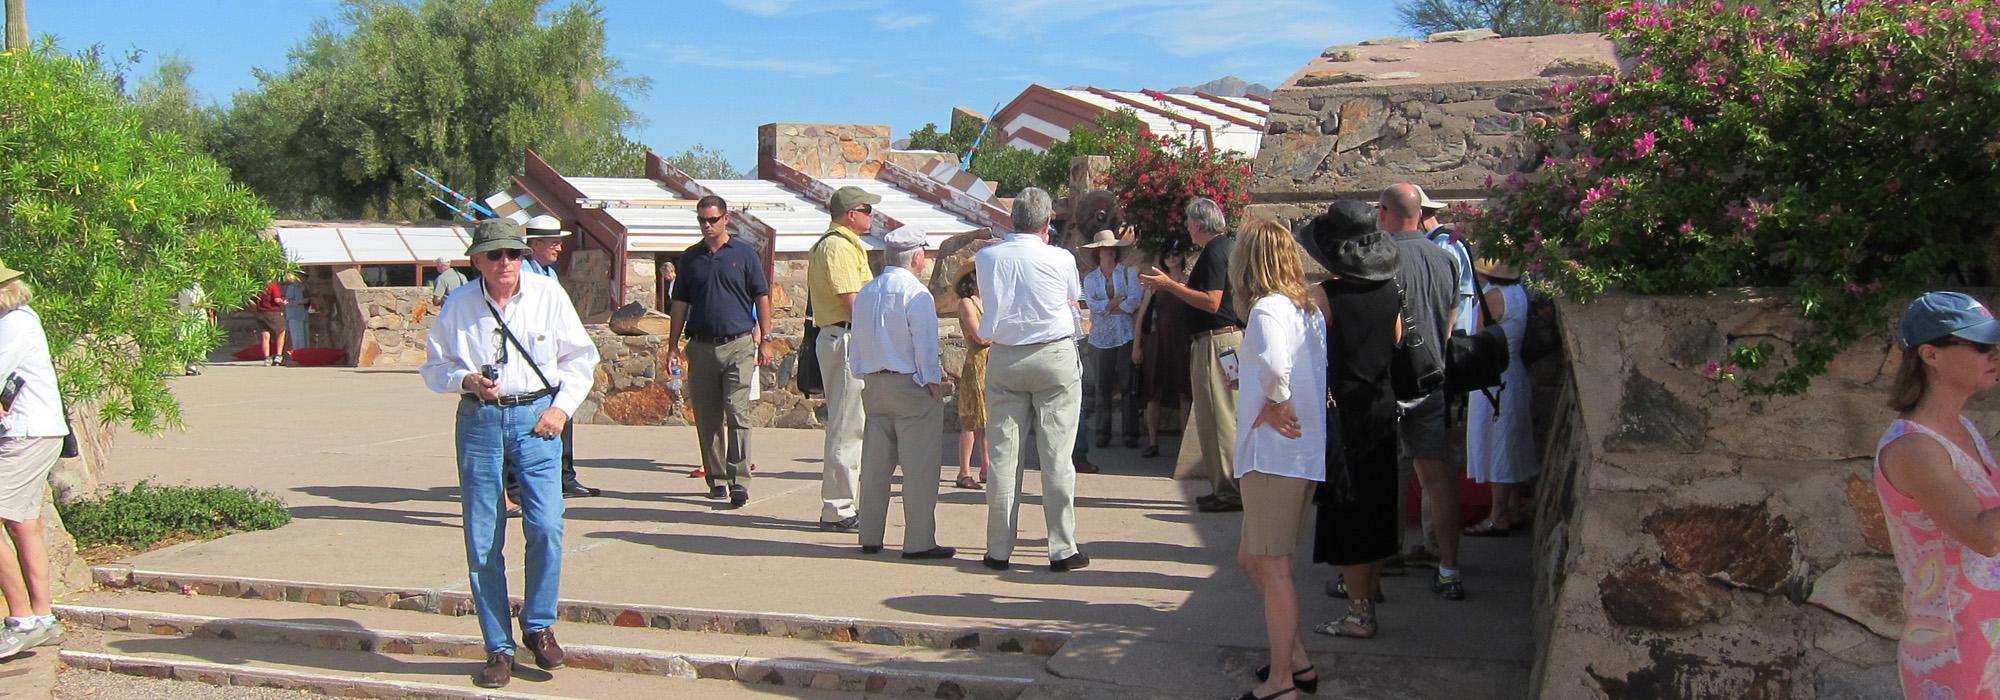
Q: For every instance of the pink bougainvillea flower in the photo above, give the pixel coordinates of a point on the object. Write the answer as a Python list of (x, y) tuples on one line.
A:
[(1687, 124), (1643, 146)]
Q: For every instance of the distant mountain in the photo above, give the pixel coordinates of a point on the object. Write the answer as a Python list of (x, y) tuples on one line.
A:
[(1226, 86)]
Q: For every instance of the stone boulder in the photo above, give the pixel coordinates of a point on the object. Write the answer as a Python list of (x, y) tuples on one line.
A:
[(953, 255), (1744, 546), (1867, 590), (1645, 594), (636, 319)]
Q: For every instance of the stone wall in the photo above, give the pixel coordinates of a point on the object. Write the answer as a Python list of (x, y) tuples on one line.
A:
[(590, 285), (824, 150), (380, 326), (1693, 541)]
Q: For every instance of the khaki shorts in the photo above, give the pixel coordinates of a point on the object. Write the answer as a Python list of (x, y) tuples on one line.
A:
[(1274, 510)]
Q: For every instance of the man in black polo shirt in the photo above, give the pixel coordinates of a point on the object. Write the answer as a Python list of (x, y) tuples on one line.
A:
[(1216, 332), (723, 301)]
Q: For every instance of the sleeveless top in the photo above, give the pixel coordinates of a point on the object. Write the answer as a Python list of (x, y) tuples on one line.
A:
[(1360, 340), (1949, 590)]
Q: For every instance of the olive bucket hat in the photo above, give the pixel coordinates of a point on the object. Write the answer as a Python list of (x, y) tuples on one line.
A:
[(496, 234)]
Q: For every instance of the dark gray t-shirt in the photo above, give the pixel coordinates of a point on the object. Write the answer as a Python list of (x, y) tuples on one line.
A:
[(1429, 276)]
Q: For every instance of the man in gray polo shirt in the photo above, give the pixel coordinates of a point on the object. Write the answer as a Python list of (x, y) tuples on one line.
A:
[(1429, 278)]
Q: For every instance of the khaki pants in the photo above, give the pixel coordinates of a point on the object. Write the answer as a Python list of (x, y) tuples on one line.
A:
[(1042, 383), (905, 427), (719, 388), (1213, 415), (845, 422)]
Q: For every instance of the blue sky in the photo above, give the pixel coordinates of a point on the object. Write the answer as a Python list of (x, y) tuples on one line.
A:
[(722, 67)]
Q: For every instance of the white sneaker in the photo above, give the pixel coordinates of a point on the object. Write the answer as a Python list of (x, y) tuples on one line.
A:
[(12, 641), (45, 635)]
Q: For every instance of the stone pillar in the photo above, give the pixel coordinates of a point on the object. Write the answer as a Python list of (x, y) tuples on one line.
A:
[(642, 282), (823, 150)]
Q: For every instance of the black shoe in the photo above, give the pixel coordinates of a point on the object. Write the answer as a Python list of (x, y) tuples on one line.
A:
[(1251, 694), (1338, 588), (1218, 505), (1448, 588), (718, 492), (738, 496), (1074, 561), (871, 548), (1083, 466), (994, 564), (1103, 441), (1150, 452), (577, 489), (850, 524), (1131, 442), (932, 553), (1305, 685)]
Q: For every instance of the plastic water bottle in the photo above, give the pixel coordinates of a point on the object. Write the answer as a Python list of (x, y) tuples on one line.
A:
[(674, 384)]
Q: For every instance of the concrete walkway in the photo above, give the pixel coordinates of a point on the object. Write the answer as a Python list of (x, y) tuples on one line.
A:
[(364, 459)]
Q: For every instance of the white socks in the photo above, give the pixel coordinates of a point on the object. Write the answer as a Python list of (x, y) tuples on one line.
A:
[(24, 624)]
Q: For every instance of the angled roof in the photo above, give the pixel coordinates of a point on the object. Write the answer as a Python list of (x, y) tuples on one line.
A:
[(1040, 116), (363, 243)]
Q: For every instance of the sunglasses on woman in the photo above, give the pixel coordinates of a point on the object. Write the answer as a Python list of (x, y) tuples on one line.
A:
[(1981, 348), (508, 253)]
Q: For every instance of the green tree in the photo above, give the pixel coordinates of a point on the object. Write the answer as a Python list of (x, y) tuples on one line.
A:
[(1113, 134), (956, 141), (1508, 17), (110, 221), (459, 88), (704, 163), (167, 104)]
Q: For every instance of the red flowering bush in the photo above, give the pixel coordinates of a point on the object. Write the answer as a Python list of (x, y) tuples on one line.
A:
[(1849, 155), (1162, 173)]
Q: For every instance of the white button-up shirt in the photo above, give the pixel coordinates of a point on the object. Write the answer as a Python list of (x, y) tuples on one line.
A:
[(1030, 288), (895, 328), (1282, 360), (1111, 326), (465, 338), (24, 351)]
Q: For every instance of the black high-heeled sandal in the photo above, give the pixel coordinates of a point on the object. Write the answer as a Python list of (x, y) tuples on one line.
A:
[(1251, 694), (1304, 685)]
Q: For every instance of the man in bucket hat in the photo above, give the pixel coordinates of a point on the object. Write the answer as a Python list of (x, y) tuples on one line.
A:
[(518, 356)]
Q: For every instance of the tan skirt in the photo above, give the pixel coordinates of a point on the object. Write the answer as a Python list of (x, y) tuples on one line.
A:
[(24, 475), (972, 391)]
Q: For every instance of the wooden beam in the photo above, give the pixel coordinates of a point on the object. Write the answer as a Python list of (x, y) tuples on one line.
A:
[(946, 197), (1259, 111), (1204, 109)]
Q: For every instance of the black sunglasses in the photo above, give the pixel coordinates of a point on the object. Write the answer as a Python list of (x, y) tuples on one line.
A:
[(1981, 348), (706, 220), (508, 253), (865, 209)]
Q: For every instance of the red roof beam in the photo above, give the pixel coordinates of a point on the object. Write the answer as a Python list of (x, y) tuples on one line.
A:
[(1207, 134), (1204, 109)]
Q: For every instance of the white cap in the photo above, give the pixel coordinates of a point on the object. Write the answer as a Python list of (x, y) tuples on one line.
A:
[(1424, 201), (905, 237), (544, 226)]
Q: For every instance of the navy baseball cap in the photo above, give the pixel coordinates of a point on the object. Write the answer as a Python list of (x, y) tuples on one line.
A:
[(1939, 314)]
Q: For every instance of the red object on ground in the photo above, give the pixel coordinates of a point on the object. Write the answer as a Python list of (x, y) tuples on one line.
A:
[(318, 357), (253, 351)]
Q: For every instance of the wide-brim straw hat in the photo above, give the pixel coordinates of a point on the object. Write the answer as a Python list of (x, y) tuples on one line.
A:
[(8, 274), (1496, 269), (1108, 239)]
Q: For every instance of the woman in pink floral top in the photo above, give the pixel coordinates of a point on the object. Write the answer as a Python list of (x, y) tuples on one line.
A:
[(1941, 499)]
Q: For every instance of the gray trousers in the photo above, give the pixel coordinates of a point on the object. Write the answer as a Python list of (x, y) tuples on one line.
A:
[(1111, 372), (1041, 383), (840, 479), (905, 427), (719, 387)]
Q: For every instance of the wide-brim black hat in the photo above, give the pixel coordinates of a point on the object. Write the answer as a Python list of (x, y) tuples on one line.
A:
[(1346, 242)]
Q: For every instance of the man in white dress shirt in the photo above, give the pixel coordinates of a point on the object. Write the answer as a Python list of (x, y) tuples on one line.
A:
[(1032, 372), (512, 347), (894, 350)]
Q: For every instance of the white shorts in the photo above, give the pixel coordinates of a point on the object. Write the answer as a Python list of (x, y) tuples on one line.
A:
[(24, 475)]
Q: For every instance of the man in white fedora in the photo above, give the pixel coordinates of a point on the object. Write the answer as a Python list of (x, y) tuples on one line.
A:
[(545, 246)]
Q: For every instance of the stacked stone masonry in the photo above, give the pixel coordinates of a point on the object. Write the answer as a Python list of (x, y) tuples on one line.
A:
[(1696, 541)]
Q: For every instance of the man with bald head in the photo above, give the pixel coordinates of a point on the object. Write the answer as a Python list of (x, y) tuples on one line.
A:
[(1429, 278)]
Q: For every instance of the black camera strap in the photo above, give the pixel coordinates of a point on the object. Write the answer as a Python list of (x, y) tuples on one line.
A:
[(504, 330)]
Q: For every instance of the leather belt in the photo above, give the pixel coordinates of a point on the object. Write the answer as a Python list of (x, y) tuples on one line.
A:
[(717, 339), (842, 324), (514, 400), (1218, 331)]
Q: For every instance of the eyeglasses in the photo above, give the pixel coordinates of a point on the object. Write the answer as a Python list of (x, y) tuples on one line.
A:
[(508, 253), (865, 209), (1981, 348), (707, 220)]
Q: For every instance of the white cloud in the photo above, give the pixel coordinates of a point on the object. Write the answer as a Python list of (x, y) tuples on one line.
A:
[(1185, 27), (711, 58), (900, 22), (761, 8)]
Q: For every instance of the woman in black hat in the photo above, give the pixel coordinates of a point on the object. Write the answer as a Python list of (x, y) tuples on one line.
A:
[(1357, 524)]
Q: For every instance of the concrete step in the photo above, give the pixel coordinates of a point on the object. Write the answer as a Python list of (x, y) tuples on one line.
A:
[(339, 673), (775, 661), (1038, 642)]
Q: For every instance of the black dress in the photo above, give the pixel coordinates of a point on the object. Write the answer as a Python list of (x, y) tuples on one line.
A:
[(1361, 338)]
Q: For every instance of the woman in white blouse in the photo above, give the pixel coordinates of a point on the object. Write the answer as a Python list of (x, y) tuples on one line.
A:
[(31, 439), (1280, 435)]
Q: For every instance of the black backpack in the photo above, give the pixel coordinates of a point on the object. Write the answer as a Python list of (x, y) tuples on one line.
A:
[(1476, 362)]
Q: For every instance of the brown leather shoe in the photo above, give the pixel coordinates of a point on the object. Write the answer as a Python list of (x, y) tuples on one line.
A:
[(499, 669), (548, 654)]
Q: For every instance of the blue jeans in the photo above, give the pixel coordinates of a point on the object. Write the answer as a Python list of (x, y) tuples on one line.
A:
[(492, 439)]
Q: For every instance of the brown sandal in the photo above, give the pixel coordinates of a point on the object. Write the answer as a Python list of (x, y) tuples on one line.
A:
[(967, 482)]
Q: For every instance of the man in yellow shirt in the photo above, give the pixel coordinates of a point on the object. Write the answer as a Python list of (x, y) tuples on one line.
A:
[(835, 273)]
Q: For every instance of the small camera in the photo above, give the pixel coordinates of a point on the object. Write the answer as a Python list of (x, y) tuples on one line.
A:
[(491, 372)]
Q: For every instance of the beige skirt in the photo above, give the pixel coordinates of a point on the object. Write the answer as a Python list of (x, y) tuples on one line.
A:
[(24, 475)]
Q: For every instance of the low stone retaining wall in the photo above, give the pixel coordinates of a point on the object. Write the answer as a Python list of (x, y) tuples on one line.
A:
[(380, 326), (1694, 541)]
